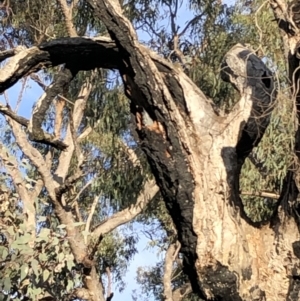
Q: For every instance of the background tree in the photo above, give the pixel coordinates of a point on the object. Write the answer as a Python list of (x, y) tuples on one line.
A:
[(80, 146)]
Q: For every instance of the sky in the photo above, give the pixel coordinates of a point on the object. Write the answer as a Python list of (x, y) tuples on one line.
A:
[(146, 256)]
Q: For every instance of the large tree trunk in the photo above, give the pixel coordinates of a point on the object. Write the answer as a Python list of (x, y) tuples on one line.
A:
[(196, 157)]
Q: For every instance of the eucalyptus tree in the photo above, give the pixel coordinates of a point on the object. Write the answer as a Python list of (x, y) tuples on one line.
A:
[(195, 131)]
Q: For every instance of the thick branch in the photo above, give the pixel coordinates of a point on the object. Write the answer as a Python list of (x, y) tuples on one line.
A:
[(78, 53), (75, 238)]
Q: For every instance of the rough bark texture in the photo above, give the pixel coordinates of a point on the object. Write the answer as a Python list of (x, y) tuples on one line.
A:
[(196, 156)]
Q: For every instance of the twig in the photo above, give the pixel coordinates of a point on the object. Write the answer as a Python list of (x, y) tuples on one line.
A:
[(82, 189), (194, 20), (24, 80), (40, 31), (263, 194)]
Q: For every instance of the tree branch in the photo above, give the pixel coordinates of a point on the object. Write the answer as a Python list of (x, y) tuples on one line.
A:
[(75, 238), (91, 213), (45, 137), (78, 53), (67, 11), (60, 82), (6, 110), (10, 52), (263, 194), (109, 293), (11, 165), (251, 115), (70, 140), (191, 22), (33, 155), (168, 271), (149, 191)]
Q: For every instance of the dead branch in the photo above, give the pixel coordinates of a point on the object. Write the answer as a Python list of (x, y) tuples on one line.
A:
[(251, 77), (81, 53)]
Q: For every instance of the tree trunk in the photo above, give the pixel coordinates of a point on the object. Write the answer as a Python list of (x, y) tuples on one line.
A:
[(196, 157)]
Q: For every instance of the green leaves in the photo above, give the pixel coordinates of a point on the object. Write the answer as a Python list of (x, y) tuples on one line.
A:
[(24, 271), (35, 267)]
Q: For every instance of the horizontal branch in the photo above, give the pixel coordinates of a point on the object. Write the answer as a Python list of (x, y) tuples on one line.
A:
[(79, 53), (263, 194)]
